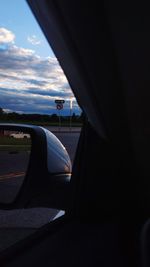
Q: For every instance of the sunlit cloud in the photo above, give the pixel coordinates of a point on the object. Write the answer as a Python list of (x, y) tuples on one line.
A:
[(6, 36)]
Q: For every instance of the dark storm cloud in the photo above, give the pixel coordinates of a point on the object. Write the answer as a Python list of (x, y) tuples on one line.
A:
[(26, 102)]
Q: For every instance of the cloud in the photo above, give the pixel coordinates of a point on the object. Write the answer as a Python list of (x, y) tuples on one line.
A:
[(30, 83), (6, 36), (34, 40), (21, 102), (52, 94)]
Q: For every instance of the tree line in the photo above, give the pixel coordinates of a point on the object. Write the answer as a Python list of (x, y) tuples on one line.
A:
[(38, 118)]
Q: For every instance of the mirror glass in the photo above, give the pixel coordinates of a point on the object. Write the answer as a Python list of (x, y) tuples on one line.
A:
[(15, 148)]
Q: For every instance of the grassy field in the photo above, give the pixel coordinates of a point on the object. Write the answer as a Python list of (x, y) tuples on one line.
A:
[(14, 145), (4, 140)]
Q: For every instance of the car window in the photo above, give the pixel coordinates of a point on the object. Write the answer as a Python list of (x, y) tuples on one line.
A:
[(33, 90)]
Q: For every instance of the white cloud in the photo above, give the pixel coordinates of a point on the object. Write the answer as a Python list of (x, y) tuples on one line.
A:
[(34, 40), (6, 36), (29, 82), (19, 51)]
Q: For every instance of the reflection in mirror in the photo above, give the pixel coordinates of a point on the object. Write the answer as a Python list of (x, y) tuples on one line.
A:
[(15, 148)]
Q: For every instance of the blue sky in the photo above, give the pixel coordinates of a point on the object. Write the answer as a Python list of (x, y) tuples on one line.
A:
[(30, 75)]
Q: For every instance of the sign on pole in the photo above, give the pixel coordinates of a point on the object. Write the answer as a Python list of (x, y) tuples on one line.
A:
[(59, 105), (59, 101)]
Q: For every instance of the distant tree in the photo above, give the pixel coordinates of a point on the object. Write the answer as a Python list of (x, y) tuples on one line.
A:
[(1, 111), (82, 117), (74, 117), (1, 114), (54, 117)]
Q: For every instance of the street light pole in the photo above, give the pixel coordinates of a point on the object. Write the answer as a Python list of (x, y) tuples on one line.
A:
[(59, 116), (71, 100)]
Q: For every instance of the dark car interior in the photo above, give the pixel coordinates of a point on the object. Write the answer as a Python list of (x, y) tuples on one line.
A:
[(104, 50)]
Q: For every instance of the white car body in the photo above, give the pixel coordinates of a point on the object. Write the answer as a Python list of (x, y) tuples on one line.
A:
[(19, 135)]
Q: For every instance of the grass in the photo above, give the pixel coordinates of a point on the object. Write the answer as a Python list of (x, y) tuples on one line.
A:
[(14, 149), (5, 140), (14, 145)]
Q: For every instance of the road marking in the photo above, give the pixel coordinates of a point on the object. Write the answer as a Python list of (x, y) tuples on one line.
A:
[(11, 175)]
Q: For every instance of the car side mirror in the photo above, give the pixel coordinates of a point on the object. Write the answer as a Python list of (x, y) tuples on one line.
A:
[(35, 168)]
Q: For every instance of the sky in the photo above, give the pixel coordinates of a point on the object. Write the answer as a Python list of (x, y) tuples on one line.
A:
[(30, 75)]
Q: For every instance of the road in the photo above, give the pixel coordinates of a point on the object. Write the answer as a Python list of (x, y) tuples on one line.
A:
[(17, 224), (13, 166), (13, 162)]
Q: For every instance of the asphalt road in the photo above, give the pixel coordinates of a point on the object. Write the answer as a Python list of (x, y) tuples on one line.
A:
[(17, 224), (13, 166), (13, 162)]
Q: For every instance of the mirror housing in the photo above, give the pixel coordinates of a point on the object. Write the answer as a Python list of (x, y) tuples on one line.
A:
[(47, 179)]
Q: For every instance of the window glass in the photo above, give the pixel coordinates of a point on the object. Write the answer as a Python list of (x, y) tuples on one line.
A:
[(33, 90)]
